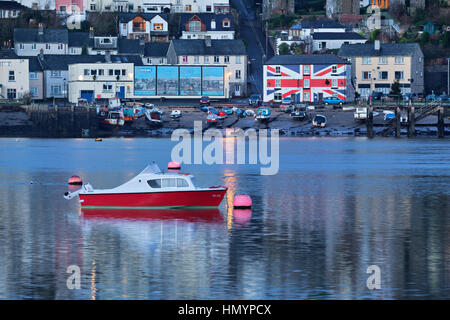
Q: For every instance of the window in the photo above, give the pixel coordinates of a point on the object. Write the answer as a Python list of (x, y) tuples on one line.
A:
[(226, 59), (277, 84), (34, 92), (195, 26), (216, 59), (55, 90), (366, 75), (155, 183), (382, 60), (185, 59), (33, 46), (158, 26), (60, 46), (208, 8), (33, 75), (92, 7), (306, 70), (196, 59), (117, 72), (12, 76), (383, 75), (107, 87), (398, 75), (182, 183), (306, 83), (55, 74), (110, 72), (93, 72), (47, 46), (333, 69), (306, 96), (277, 96), (86, 72), (188, 7), (238, 74), (101, 72), (206, 59), (334, 83), (11, 94), (238, 59), (149, 61), (366, 60), (21, 46), (399, 60), (124, 72), (277, 70), (226, 23), (168, 183)]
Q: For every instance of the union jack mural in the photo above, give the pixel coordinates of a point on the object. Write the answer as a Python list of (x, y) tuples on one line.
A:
[(305, 82)]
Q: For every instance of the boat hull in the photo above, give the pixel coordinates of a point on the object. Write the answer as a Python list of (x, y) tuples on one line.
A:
[(209, 198)]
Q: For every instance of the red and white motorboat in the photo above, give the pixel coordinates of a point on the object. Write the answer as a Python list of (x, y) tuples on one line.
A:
[(151, 189)]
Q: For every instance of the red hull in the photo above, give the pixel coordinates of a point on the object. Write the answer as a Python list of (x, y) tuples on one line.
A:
[(200, 198)]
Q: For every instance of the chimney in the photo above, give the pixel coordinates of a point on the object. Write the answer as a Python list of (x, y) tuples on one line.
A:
[(377, 45), (91, 33), (40, 29), (208, 41), (107, 56), (213, 24)]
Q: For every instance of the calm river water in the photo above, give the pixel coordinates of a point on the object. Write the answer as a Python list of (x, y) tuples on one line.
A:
[(335, 207)]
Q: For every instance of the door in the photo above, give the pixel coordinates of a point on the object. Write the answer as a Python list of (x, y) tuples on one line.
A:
[(87, 94), (293, 97), (320, 96), (120, 93), (237, 90)]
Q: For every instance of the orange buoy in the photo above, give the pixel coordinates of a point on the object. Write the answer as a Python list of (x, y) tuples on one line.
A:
[(75, 181), (242, 201)]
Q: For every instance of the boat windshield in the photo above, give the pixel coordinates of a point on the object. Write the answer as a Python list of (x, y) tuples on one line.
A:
[(194, 181), (151, 168)]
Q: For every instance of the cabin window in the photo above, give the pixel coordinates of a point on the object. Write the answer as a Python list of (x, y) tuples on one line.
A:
[(155, 183), (168, 183), (182, 183)]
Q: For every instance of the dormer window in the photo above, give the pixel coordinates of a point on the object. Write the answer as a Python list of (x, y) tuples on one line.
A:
[(226, 23), (194, 26)]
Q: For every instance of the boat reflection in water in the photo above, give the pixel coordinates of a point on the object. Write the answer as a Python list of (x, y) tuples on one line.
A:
[(187, 215)]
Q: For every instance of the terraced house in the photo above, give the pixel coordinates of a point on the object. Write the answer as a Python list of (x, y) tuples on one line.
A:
[(376, 66)]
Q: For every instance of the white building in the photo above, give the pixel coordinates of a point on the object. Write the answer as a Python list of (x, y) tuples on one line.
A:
[(14, 77), (104, 80), (334, 40), (31, 42), (201, 25), (303, 30), (148, 26)]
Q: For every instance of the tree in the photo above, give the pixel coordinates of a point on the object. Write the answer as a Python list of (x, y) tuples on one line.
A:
[(284, 49), (446, 39), (395, 88)]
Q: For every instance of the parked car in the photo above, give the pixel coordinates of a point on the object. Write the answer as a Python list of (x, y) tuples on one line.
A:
[(443, 98), (376, 95), (254, 100), (287, 101), (205, 101), (333, 101)]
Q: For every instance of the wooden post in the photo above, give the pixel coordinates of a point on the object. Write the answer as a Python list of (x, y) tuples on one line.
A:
[(369, 122), (397, 122), (440, 123), (412, 121)]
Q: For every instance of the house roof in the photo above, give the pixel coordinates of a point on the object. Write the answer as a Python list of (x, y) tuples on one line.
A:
[(11, 5), (62, 62), (386, 49), (8, 54), (129, 46), (30, 35), (78, 39), (156, 49), (125, 17), (218, 47), (306, 59), (33, 64), (337, 36), (328, 24), (206, 18)]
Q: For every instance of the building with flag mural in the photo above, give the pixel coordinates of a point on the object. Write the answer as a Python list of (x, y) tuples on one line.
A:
[(307, 78)]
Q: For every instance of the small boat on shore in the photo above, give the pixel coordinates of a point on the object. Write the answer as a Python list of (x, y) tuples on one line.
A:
[(319, 121), (151, 189), (262, 114), (154, 117), (299, 113)]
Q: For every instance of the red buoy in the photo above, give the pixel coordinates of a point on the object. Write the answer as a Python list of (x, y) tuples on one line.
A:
[(242, 201), (75, 180), (173, 165)]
